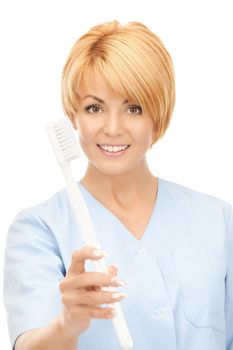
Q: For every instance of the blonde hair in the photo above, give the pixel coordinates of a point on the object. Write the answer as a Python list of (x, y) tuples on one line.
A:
[(135, 63)]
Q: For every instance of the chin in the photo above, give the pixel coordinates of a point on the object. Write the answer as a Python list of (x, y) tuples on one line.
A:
[(113, 170)]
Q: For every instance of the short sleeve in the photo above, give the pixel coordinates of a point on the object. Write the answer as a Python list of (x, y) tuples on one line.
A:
[(229, 284), (32, 270)]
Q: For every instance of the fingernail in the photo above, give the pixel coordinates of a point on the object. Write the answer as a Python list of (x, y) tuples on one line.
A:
[(117, 281), (119, 295), (112, 313), (98, 252)]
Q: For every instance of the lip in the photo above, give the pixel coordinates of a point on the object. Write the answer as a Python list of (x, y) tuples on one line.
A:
[(113, 154), (112, 145)]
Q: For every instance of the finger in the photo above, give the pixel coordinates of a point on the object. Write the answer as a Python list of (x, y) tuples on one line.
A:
[(113, 270), (92, 288), (83, 311), (90, 279), (91, 298), (80, 255)]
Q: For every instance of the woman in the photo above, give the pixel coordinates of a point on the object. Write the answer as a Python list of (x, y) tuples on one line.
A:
[(173, 245)]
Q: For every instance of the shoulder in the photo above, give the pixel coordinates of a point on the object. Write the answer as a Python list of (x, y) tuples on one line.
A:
[(43, 221), (51, 220), (190, 193), (186, 194), (47, 210), (196, 203)]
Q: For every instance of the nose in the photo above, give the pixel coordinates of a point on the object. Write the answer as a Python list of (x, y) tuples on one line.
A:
[(113, 124)]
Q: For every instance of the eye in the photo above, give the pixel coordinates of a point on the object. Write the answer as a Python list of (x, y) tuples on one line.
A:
[(135, 108), (94, 108)]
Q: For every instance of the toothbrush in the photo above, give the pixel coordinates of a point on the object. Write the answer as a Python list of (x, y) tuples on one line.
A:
[(66, 148)]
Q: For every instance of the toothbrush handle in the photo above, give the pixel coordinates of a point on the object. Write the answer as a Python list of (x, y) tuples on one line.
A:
[(87, 229), (118, 321), (121, 328)]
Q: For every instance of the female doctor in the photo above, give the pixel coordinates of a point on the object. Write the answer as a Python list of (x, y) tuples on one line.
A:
[(169, 248)]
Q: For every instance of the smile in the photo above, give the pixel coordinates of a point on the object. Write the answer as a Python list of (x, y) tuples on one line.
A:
[(113, 151)]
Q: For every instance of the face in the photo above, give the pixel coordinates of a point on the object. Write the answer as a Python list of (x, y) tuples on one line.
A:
[(107, 120)]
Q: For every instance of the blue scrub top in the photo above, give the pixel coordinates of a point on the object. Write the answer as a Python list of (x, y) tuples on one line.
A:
[(179, 276)]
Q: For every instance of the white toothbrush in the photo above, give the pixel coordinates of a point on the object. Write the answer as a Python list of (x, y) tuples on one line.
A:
[(66, 148)]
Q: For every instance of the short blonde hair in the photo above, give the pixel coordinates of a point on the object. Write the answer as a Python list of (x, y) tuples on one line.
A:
[(135, 63)]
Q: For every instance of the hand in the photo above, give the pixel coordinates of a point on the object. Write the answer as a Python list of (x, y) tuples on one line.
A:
[(82, 293)]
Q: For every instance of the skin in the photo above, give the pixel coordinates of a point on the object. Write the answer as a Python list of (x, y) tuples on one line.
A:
[(123, 182), (82, 295), (82, 298)]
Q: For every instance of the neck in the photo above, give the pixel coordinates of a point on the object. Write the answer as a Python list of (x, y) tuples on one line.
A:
[(121, 188)]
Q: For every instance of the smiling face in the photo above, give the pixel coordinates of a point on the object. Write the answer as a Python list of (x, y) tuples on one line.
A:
[(104, 118)]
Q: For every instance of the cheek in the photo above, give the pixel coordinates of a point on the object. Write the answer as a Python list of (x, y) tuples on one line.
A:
[(86, 133), (143, 135)]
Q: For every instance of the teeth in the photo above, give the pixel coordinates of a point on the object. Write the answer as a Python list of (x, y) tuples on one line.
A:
[(113, 149)]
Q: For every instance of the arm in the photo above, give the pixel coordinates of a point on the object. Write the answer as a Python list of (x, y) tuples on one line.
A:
[(51, 337), (82, 297), (48, 307), (33, 268)]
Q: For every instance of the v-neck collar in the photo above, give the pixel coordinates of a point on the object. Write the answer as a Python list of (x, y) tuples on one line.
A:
[(110, 213)]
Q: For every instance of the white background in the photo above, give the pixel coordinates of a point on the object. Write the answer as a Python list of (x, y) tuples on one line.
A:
[(36, 37)]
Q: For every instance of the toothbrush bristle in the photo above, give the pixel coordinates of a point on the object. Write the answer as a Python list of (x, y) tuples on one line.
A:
[(62, 136)]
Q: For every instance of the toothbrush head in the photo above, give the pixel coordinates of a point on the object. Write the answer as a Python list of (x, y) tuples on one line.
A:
[(64, 141)]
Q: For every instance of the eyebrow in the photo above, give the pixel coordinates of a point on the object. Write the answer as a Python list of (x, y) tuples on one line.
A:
[(102, 101)]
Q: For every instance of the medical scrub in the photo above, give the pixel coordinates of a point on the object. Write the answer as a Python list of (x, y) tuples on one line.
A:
[(179, 275)]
